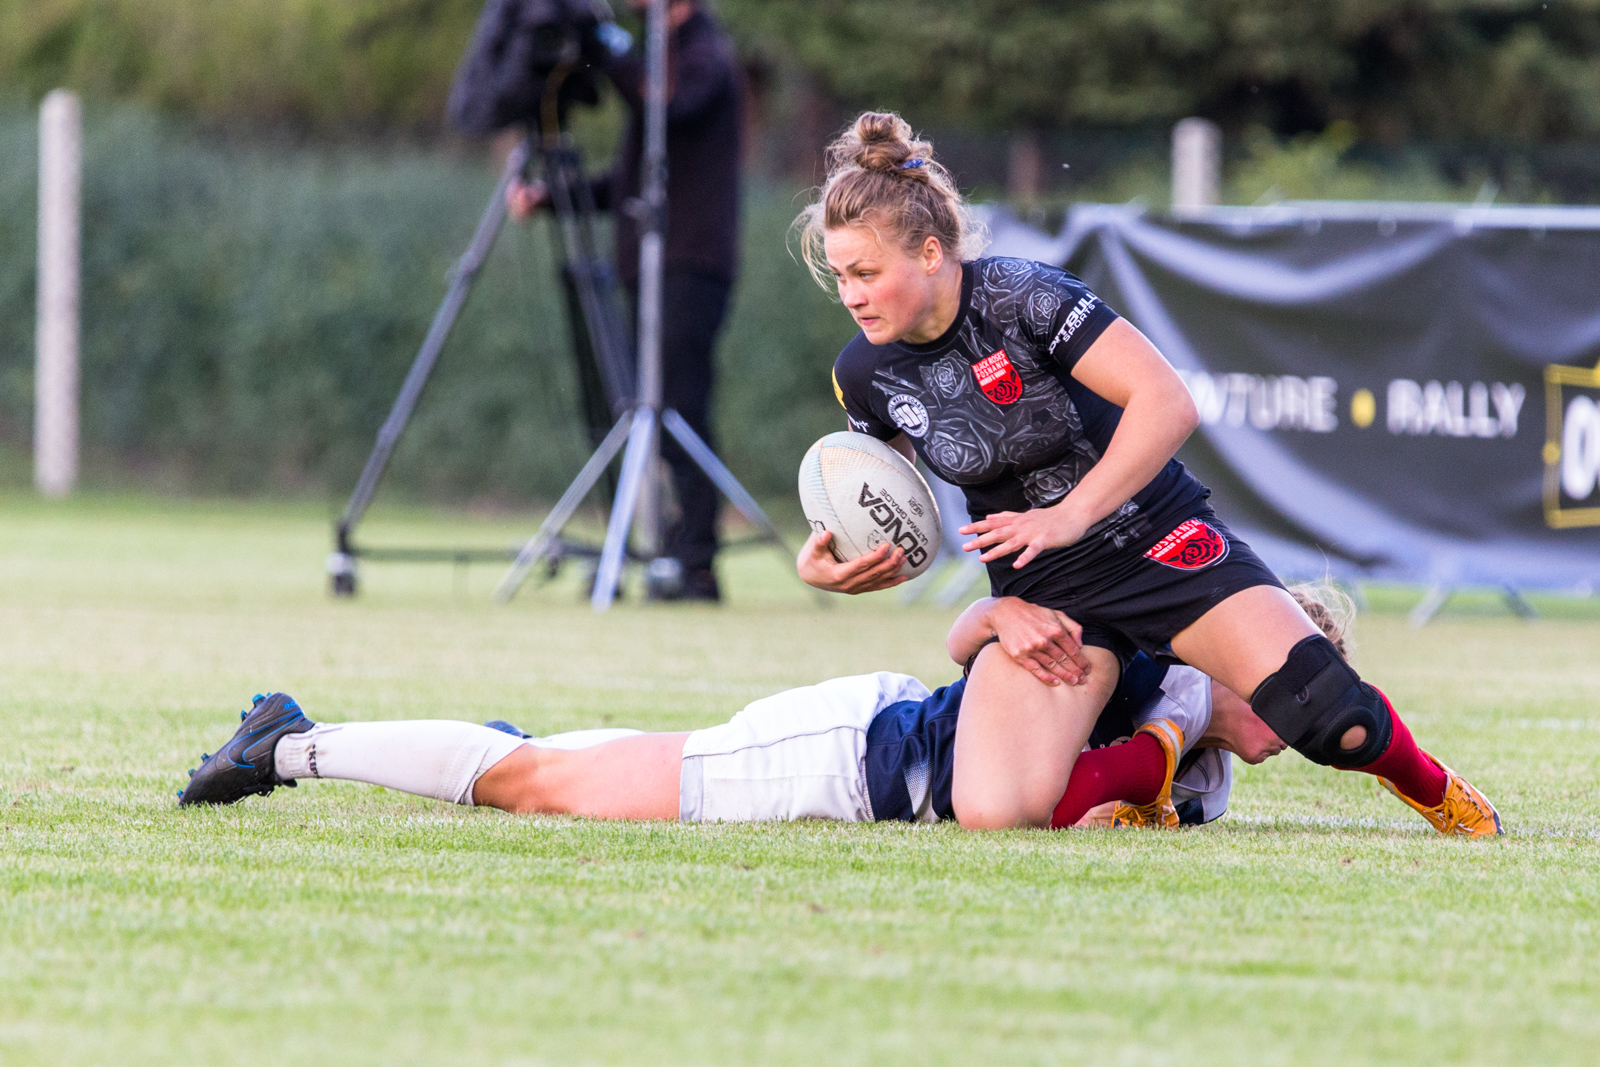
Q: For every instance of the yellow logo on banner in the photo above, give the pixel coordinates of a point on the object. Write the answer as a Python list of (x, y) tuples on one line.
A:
[(1572, 447), (1363, 408)]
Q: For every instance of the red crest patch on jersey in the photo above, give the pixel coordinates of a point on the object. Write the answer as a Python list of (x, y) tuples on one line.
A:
[(998, 379), (1193, 545)]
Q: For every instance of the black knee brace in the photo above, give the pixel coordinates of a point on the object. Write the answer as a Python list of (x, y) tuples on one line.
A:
[(1314, 698)]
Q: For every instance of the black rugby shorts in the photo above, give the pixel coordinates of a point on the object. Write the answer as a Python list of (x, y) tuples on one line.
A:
[(1139, 599)]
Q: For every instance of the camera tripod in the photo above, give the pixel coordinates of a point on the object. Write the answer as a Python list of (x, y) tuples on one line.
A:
[(608, 386)]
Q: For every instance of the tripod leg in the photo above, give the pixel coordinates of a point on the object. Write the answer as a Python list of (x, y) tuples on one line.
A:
[(597, 410), (641, 442), (719, 473), (598, 415), (569, 503), (462, 278), (596, 325)]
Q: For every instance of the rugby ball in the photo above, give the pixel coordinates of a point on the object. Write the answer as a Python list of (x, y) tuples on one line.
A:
[(865, 493)]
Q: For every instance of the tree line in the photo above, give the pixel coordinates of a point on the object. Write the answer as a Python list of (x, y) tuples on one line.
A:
[(1517, 71)]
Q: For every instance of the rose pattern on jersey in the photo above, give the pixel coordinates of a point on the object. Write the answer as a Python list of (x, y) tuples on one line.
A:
[(952, 453), (965, 425), (1018, 296), (946, 377), (1121, 527), (1049, 485), (1038, 436), (1041, 308)]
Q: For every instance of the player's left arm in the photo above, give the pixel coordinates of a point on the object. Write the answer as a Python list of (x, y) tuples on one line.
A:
[(1158, 414), (1043, 640)]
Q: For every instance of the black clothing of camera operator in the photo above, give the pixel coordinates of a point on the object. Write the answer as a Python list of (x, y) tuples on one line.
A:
[(705, 119)]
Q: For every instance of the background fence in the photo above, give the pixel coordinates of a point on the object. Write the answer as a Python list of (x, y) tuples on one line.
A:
[(251, 307), (251, 301)]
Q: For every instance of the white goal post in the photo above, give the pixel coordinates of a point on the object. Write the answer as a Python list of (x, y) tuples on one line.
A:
[(56, 375)]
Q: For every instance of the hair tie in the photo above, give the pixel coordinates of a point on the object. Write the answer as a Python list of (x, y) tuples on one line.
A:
[(912, 164)]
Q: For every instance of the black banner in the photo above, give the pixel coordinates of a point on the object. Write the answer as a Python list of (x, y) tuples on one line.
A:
[(1391, 391)]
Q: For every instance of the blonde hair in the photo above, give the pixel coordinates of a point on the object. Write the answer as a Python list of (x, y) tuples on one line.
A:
[(1331, 609), (882, 177)]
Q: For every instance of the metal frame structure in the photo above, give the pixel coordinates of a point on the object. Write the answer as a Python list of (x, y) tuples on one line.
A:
[(602, 353), (616, 391), (637, 434)]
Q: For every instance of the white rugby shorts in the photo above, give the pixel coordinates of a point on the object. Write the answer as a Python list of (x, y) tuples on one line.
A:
[(799, 754)]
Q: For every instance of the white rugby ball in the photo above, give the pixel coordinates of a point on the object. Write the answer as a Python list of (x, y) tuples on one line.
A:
[(865, 493)]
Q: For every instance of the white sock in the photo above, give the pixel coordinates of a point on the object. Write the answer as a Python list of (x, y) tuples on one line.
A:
[(438, 758)]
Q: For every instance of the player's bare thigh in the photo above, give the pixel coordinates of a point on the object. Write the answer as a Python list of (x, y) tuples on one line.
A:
[(1247, 637), (1017, 739), (629, 778)]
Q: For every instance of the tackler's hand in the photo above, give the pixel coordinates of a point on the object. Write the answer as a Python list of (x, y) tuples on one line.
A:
[(1025, 532), (867, 573), (1045, 641)]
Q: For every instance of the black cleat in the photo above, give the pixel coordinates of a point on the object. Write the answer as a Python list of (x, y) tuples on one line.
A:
[(506, 728), (244, 766)]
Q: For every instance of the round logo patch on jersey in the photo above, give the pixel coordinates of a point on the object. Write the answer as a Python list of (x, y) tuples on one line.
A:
[(909, 414), (1192, 546), (998, 379)]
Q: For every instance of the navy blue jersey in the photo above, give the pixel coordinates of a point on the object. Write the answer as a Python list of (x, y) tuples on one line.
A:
[(911, 745), (1141, 680), (992, 407)]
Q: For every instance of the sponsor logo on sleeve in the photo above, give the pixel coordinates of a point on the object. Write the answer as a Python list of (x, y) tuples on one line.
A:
[(1194, 545), (909, 414), (1075, 318), (998, 379), (857, 425)]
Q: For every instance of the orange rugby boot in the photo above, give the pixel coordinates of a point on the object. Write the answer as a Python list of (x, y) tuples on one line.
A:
[(1464, 810), (1159, 814)]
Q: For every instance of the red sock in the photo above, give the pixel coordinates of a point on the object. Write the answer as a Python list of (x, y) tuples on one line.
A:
[(1133, 771), (1403, 763)]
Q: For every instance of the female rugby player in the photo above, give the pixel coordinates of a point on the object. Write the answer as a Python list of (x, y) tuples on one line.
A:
[(875, 746), (1060, 422)]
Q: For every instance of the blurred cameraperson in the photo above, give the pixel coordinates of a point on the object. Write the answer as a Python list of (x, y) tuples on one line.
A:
[(705, 87)]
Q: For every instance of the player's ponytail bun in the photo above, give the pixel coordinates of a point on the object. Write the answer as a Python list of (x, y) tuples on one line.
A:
[(880, 142), (882, 177)]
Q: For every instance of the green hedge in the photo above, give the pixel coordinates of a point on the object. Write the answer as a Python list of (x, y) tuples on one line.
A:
[(250, 309)]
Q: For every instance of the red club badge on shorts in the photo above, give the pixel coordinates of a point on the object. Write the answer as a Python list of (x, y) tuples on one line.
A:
[(998, 379), (1193, 545)]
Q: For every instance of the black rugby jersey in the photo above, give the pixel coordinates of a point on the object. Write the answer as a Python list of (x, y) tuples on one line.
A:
[(992, 407)]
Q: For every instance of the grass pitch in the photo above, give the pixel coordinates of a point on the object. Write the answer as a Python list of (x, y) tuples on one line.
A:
[(338, 923)]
